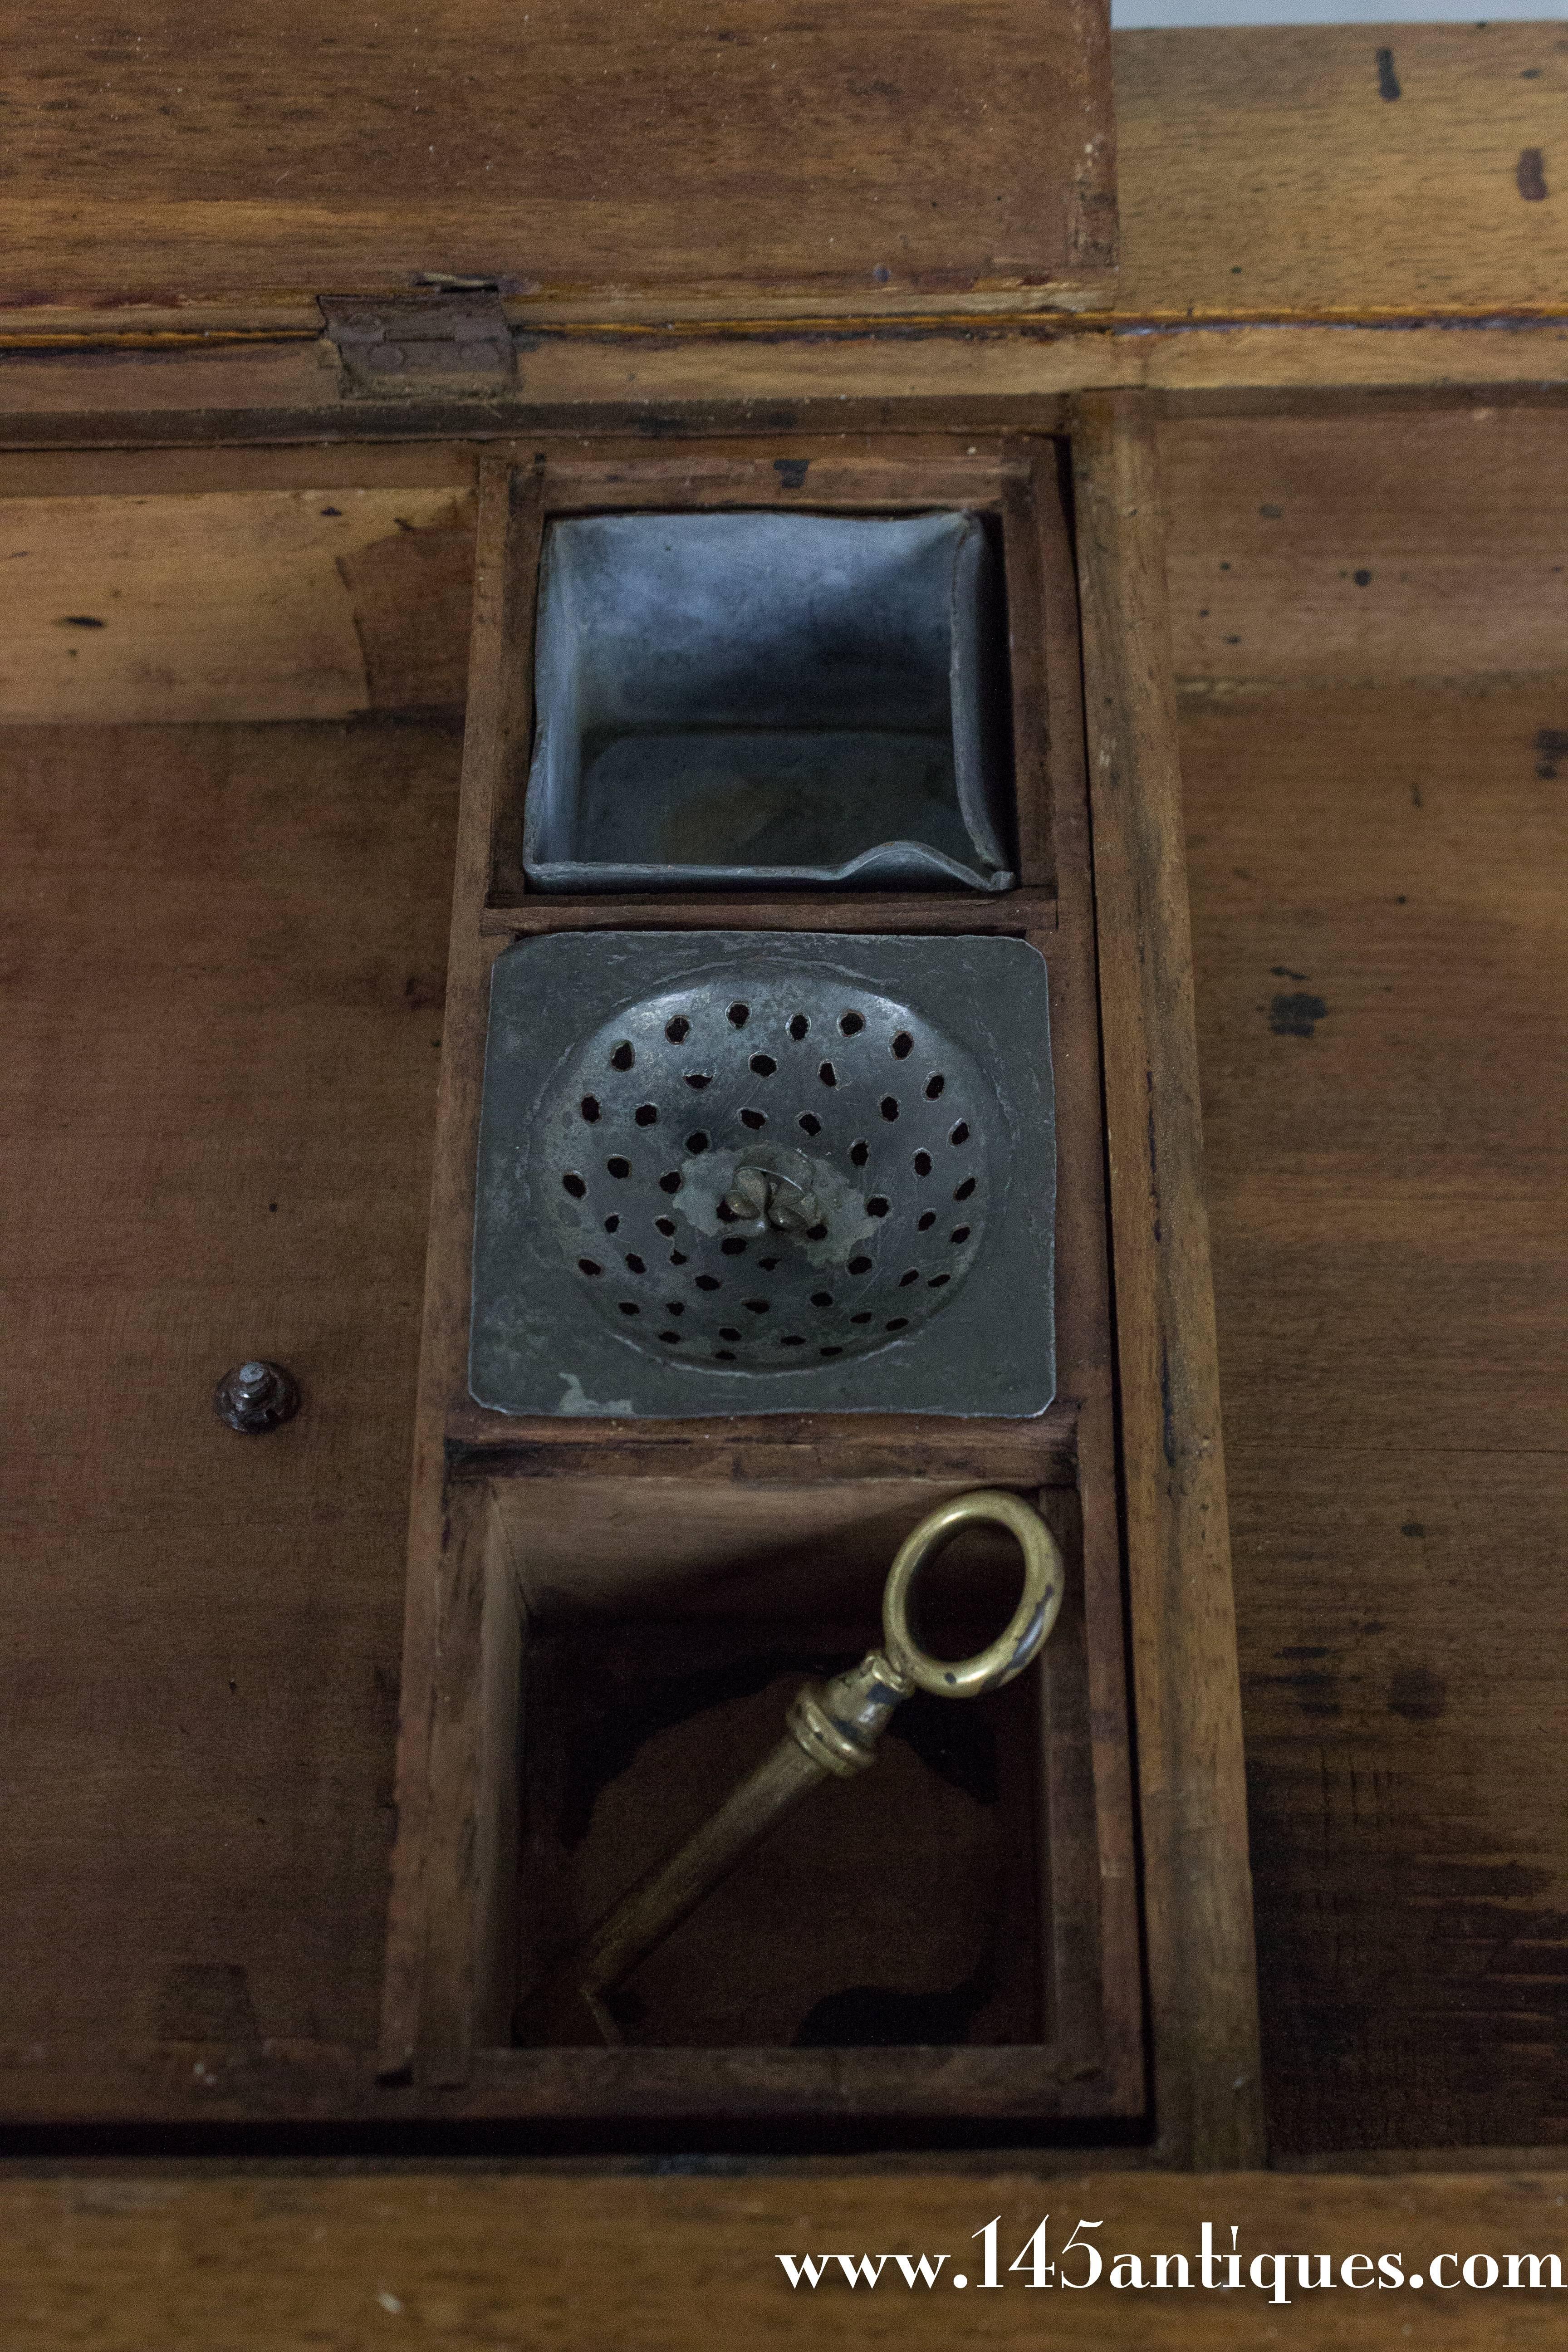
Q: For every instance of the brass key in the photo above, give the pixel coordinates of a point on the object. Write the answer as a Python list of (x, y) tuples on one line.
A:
[(834, 1729)]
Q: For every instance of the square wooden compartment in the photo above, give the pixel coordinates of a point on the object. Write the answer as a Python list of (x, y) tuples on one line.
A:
[(932, 1940)]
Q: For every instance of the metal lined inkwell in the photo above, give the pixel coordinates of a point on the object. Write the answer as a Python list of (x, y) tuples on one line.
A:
[(768, 1173), (729, 699), (832, 1733)]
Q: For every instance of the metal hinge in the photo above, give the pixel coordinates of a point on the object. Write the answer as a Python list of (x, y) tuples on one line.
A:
[(443, 346)]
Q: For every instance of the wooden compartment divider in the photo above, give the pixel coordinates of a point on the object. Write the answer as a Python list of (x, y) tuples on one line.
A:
[(1197, 1884)]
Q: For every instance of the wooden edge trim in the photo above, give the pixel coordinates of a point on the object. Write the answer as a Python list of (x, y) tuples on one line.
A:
[(1057, 321), (445, 1597), (1186, 1696), (1007, 913), (1086, 1344)]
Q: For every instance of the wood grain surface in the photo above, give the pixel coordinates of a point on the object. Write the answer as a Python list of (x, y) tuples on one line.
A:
[(1264, 171), (218, 1097), (1304, 550), (1341, 171), (202, 391), (1367, 550), (433, 1964), (1376, 692), (1285, 222), (922, 149), (234, 604), (1197, 1905), (531, 2261), (1378, 881)]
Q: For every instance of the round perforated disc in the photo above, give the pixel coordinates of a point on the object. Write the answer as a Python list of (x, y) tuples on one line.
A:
[(879, 1122)]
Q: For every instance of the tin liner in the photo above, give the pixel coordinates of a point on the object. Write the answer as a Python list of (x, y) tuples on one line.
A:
[(727, 700)]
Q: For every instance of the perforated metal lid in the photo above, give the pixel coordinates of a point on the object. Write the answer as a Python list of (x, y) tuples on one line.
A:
[(762, 1175), (770, 1173)]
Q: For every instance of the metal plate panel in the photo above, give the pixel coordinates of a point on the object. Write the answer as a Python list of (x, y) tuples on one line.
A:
[(645, 1091)]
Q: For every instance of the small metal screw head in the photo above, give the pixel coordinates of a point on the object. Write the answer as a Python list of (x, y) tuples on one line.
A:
[(256, 1397), (759, 1195)]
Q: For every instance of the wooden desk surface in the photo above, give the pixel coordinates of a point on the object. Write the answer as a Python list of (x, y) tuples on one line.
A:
[(477, 2262), (1313, 172), (1368, 622), (1286, 219), (1340, 172), (1372, 770)]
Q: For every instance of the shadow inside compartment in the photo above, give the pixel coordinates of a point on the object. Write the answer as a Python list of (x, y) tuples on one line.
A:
[(900, 1907)]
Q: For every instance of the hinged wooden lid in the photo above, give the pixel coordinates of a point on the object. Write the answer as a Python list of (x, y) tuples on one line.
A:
[(589, 159)]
